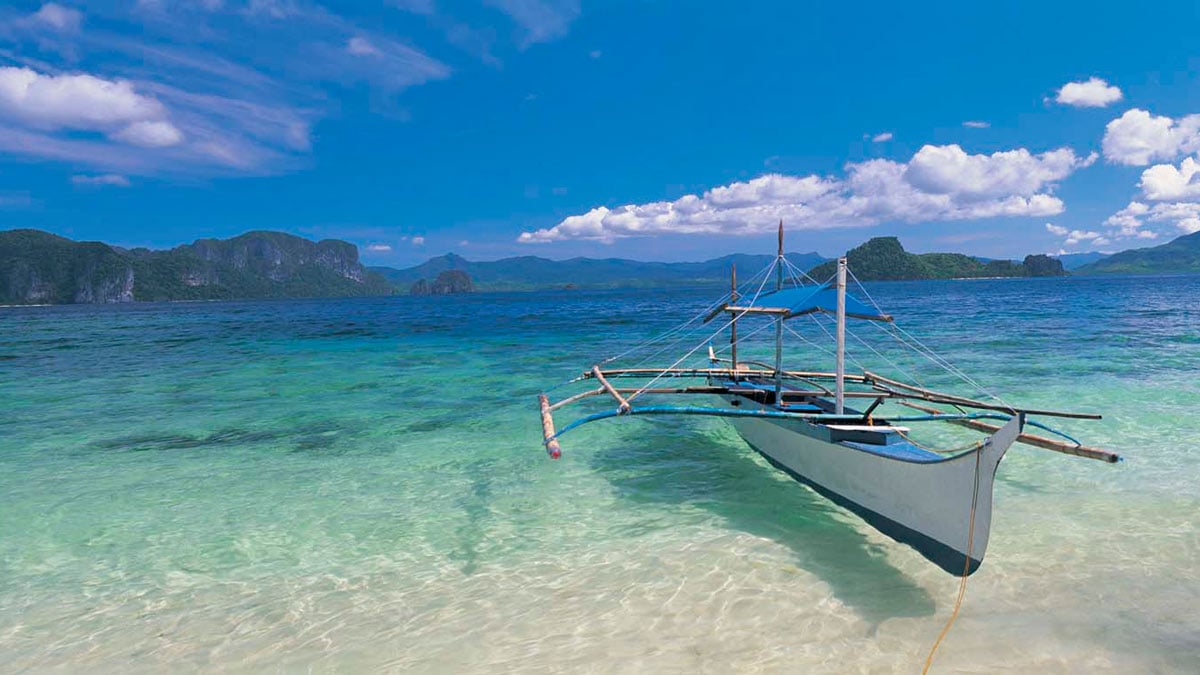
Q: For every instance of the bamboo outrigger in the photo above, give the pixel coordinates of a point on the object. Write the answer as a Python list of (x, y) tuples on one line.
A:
[(822, 428)]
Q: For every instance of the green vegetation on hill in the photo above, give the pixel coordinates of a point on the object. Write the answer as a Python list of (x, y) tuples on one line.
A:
[(1178, 255), (38, 267), (884, 259), (41, 268)]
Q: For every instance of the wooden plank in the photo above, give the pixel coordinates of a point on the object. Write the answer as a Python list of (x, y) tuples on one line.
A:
[(622, 404), (1027, 439), (552, 447)]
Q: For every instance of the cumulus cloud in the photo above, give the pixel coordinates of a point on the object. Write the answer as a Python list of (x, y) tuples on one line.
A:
[(881, 138), (1163, 182), (82, 102), (1056, 230), (939, 183), (1138, 137), (114, 179), (418, 241), (976, 124), (72, 101), (1093, 93), (379, 248), (1129, 221)]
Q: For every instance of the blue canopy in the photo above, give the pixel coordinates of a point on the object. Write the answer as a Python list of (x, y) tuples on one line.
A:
[(808, 299)]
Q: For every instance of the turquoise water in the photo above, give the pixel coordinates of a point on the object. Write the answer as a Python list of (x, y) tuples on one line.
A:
[(343, 485)]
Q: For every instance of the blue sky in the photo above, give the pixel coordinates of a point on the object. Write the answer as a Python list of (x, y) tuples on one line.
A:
[(652, 130)]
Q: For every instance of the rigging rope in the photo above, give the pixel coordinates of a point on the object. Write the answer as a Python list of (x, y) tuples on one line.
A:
[(720, 330), (962, 584)]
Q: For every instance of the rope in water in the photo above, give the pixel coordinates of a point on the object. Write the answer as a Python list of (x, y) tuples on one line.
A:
[(962, 584)]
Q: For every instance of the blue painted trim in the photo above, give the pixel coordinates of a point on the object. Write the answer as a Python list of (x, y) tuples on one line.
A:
[(945, 557)]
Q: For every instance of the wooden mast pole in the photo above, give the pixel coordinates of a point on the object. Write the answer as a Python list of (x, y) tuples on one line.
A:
[(779, 324), (840, 381), (733, 298)]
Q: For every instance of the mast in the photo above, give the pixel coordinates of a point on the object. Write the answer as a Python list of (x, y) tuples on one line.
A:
[(840, 391), (779, 324), (733, 298)]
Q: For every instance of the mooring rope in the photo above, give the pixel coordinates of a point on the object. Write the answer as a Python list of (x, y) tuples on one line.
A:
[(962, 584)]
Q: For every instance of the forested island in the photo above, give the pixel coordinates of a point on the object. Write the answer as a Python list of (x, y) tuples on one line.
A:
[(884, 259), (1180, 255)]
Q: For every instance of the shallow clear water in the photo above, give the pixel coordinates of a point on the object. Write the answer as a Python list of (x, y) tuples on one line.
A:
[(341, 485)]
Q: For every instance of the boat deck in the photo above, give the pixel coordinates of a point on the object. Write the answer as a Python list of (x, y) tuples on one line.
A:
[(883, 440)]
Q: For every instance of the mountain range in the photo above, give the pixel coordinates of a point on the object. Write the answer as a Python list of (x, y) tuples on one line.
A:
[(530, 273), (41, 268)]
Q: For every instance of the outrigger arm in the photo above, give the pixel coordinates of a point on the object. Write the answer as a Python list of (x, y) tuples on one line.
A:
[(884, 388)]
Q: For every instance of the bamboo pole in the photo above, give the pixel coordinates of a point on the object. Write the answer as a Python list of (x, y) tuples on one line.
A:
[(552, 447), (716, 372), (733, 297), (1028, 439), (951, 399), (622, 404)]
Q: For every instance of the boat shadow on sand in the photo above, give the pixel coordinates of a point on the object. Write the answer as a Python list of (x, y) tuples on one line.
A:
[(674, 464)]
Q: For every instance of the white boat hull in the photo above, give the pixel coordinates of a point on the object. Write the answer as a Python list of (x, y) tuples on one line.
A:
[(925, 504)]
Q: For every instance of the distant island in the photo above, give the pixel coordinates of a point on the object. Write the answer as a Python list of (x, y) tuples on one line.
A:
[(41, 268), (1176, 256), (884, 259), (447, 282)]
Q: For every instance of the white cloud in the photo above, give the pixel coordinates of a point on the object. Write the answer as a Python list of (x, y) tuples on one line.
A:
[(880, 138), (379, 248), (1093, 93), (1138, 137), (418, 241), (1077, 236), (156, 134), (192, 103), (81, 102), (1164, 181), (1129, 221), (1056, 230), (949, 169), (57, 17), (976, 124), (939, 183), (114, 179)]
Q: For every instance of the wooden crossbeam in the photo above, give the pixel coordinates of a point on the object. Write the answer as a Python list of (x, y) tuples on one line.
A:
[(1027, 439), (622, 404)]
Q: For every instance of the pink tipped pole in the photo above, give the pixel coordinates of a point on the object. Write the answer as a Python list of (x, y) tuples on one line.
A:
[(552, 447)]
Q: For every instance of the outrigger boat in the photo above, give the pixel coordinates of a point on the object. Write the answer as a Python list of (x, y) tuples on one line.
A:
[(830, 439)]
